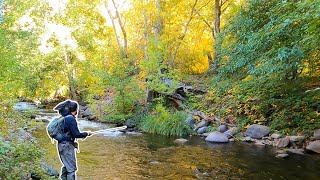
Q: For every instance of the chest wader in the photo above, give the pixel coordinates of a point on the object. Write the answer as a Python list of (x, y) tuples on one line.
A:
[(68, 158)]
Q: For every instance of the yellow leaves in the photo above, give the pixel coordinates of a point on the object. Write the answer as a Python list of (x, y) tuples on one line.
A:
[(247, 78), (200, 67)]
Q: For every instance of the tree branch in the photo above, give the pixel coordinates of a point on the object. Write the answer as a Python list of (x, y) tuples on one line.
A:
[(184, 32)]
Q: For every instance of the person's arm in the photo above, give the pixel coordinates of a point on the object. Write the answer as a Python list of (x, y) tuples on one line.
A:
[(73, 126)]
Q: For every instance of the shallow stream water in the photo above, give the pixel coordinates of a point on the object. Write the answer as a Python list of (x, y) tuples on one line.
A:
[(117, 155)]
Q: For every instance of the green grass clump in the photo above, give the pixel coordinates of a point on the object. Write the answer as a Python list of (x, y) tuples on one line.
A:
[(165, 122)]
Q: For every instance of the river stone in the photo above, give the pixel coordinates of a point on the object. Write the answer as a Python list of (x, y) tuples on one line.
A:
[(247, 139), (316, 134), (50, 171), (257, 131), (190, 121), (283, 142), (282, 155), (276, 136), (217, 136), (314, 146), (232, 131), (222, 128), (296, 151), (87, 112), (280, 152), (202, 130), (180, 141), (202, 124), (297, 138), (259, 143)]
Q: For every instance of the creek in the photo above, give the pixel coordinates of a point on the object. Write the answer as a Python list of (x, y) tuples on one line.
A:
[(117, 155)]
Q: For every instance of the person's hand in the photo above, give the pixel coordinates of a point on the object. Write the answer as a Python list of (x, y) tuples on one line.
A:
[(90, 133)]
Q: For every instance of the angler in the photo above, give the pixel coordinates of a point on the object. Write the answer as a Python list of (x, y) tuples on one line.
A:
[(66, 133)]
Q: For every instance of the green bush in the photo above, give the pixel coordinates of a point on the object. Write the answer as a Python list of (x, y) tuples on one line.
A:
[(18, 158), (162, 121)]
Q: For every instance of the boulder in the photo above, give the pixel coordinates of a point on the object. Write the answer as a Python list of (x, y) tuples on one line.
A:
[(283, 142), (282, 155), (257, 131), (247, 139), (314, 146), (201, 124), (232, 131), (297, 138), (217, 136), (222, 128), (87, 112), (296, 151), (180, 141), (190, 121), (202, 130), (276, 136), (259, 143), (316, 134)]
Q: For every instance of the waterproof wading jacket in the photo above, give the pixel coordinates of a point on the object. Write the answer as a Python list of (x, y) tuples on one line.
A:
[(71, 130)]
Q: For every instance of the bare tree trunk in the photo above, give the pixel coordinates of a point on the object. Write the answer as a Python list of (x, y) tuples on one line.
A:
[(146, 55), (71, 73), (124, 33), (123, 48), (184, 33), (114, 28), (159, 25), (217, 16)]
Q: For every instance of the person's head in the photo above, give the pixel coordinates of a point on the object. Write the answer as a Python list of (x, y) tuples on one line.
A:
[(67, 107)]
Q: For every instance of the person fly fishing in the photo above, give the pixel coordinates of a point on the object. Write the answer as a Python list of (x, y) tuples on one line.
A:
[(67, 140)]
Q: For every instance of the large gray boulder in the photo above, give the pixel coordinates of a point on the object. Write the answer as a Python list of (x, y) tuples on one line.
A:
[(316, 134), (257, 131), (222, 128), (314, 146), (202, 130), (232, 131), (283, 142), (217, 136)]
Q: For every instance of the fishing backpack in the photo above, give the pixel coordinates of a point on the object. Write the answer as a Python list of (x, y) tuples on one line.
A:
[(55, 129)]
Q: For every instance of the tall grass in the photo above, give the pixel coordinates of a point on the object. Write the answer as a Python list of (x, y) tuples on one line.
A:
[(165, 122)]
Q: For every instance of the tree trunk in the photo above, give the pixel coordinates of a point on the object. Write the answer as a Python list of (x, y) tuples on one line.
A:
[(71, 74), (146, 55), (123, 48), (158, 25), (174, 55), (124, 33), (217, 16)]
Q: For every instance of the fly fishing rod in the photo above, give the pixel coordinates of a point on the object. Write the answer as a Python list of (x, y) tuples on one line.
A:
[(110, 129)]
